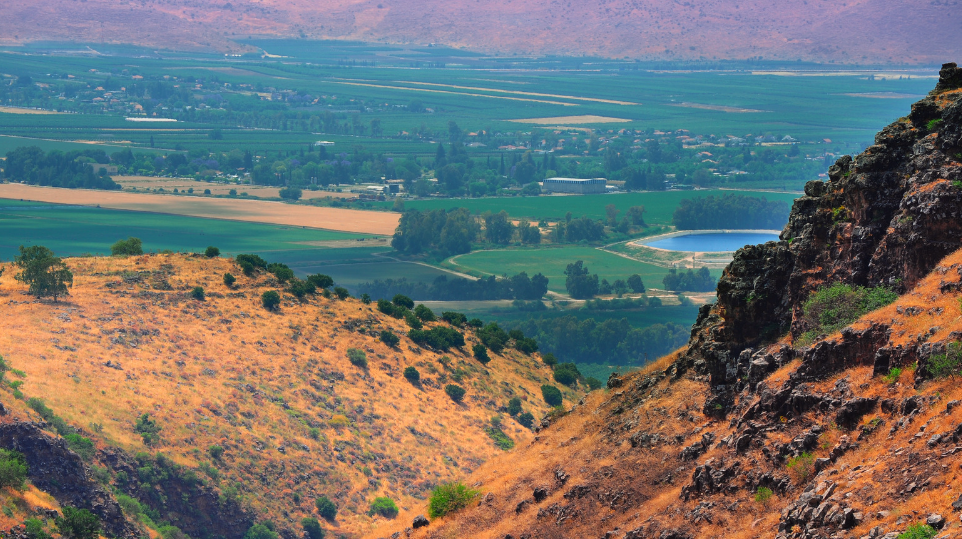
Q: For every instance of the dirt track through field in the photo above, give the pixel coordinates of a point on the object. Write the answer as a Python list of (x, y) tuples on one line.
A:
[(255, 211)]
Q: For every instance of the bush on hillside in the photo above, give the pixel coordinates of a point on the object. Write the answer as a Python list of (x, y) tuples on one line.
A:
[(453, 318), (412, 375), (271, 300), (424, 313), (919, 531), (312, 528), (456, 392), (439, 338), (128, 247), (481, 353), (215, 452), (549, 359), (148, 429), (13, 469), (833, 307), (198, 293), (947, 364), (229, 279), (450, 497), (403, 301), (34, 529), (384, 507), (78, 524), (264, 530), (357, 357), (301, 288), (514, 406), (526, 420), (493, 337), (212, 252), (281, 271), (321, 281), (84, 447), (551, 394), (566, 373), (326, 508), (389, 338), (341, 292), (412, 320)]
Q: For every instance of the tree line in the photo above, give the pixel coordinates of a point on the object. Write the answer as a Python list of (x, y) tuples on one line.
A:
[(72, 170), (612, 342), (518, 287), (730, 211), (689, 281)]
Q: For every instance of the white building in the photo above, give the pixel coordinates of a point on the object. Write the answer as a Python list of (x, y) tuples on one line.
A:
[(574, 185)]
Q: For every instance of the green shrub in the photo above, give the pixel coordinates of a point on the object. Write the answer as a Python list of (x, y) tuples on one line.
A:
[(81, 446), (893, 375), (514, 406), (526, 346), (493, 337), (919, 531), (385, 307), (365, 298), (78, 524), (312, 528), (476, 323), (481, 353), (326, 508), (47, 415), (341, 292), (403, 301), (301, 288), (412, 375), (933, 125), (450, 497), (357, 357), (383, 506), (148, 429), (229, 279), (763, 495), (500, 438), (389, 338), (566, 373), (127, 247), (801, 467), (212, 252), (281, 271), (526, 420), (198, 293), (13, 469), (215, 452), (413, 321), (592, 383), (552, 395), (321, 281), (549, 359), (34, 529), (947, 364), (831, 308), (439, 338), (264, 530), (271, 300), (424, 313), (456, 392), (454, 318)]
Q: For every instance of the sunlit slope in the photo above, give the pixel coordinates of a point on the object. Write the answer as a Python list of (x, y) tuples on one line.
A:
[(276, 390)]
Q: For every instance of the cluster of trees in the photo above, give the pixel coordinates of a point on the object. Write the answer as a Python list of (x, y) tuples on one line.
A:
[(447, 232), (72, 170), (519, 287), (730, 211), (689, 281), (613, 342), (583, 285)]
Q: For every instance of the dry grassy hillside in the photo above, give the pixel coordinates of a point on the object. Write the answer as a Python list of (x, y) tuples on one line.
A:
[(853, 31), (275, 389), (850, 454)]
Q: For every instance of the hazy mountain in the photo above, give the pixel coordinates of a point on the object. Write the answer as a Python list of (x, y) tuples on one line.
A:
[(821, 30)]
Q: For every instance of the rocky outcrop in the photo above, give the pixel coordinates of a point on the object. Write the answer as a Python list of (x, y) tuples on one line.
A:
[(57, 470), (885, 218)]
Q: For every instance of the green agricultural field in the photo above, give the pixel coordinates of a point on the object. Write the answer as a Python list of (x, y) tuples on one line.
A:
[(552, 263), (659, 206)]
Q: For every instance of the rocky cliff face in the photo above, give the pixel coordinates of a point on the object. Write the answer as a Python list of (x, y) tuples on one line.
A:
[(885, 217), (53, 468)]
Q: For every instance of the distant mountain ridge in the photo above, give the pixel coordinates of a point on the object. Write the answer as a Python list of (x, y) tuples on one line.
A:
[(855, 31)]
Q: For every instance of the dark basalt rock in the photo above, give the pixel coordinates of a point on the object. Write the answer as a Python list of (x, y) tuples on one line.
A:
[(884, 218), (57, 470)]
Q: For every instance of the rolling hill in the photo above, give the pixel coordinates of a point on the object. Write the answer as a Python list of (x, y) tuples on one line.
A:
[(856, 31), (259, 412)]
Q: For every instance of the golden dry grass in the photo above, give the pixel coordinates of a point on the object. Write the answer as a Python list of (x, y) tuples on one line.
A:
[(255, 211), (225, 371)]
